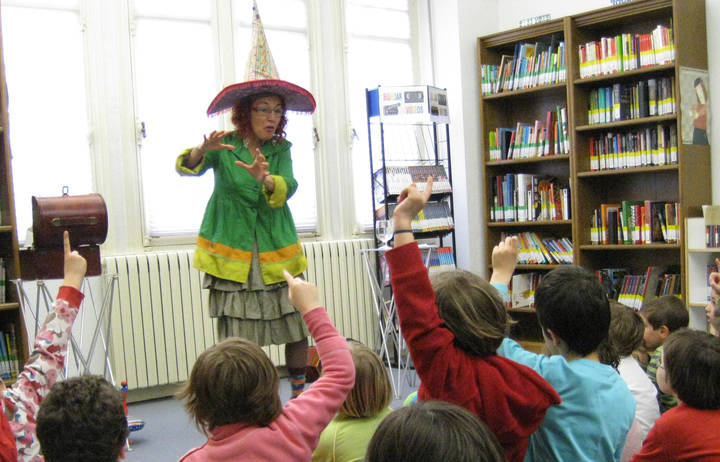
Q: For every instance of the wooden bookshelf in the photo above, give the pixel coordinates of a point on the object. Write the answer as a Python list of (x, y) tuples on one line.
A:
[(687, 182), (10, 311)]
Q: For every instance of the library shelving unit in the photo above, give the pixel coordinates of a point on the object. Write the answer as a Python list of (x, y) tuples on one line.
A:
[(10, 310), (697, 260), (409, 138), (686, 181)]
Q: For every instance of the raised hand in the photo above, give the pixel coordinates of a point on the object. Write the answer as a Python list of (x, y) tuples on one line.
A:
[(411, 202), (303, 295), (259, 168), (504, 260), (214, 142), (75, 265)]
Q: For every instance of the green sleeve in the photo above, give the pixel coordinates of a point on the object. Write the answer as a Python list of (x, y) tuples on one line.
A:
[(208, 161), (285, 170)]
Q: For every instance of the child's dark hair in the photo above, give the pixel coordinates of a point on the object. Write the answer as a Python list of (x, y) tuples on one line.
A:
[(667, 310), (232, 382), (433, 431), (82, 418), (626, 328), (473, 310), (372, 392), (572, 303), (692, 365)]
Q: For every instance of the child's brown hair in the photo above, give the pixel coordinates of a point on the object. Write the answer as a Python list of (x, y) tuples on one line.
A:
[(372, 392), (626, 329), (692, 363), (473, 310), (232, 382), (667, 310)]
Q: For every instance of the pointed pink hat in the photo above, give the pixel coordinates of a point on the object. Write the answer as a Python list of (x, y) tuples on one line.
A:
[(261, 76)]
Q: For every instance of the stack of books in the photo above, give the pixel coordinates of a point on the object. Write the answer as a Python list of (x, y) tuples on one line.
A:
[(534, 250), (646, 98), (636, 222), (711, 217), (526, 197), (400, 177), (532, 65), (626, 52), (656, 282), (9, 365), (435, 216), (441, 260)]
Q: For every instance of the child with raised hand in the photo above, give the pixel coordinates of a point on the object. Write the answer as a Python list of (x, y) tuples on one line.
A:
[(662, 316), (433, 431), (453, 327), (20, 401), (346, 438), (597, 410), (689, 369), (713, 308), (233, 397)]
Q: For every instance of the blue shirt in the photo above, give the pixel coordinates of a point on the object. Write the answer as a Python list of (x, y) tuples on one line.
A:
[(597, 410)]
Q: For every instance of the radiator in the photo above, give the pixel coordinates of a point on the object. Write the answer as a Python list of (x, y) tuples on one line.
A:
[(160, 321)]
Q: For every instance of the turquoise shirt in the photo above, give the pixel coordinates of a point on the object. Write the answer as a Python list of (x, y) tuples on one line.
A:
[(597, 410)]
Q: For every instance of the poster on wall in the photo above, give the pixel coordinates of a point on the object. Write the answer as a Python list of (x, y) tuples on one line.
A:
[(695, 107)]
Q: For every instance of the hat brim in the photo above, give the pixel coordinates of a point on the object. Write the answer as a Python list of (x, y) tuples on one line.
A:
[(296, 98)]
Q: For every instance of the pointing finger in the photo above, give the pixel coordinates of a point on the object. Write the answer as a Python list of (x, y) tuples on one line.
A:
[(66, 242)]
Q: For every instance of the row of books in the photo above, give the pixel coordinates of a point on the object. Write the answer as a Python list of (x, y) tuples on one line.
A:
[(625, 52), (521, 292), (9, 364), (441, 260), (636, 222), (528, 140), (531, 65), (711, 218), (645, 98), (641, 147), (435, 216), (527, 197), (399, 177), (534, 250), (638, 289)]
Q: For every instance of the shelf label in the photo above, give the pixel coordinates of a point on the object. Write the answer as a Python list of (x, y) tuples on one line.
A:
[(534, 20)]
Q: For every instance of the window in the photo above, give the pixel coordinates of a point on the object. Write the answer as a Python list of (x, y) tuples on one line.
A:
[(46, 85), (380, 51)]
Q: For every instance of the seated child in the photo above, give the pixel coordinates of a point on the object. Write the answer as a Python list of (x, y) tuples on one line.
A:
[(690, 369), (453, 327), (433, 431), (597, 410), (233, 397), (346, 438), (82, 418), (626, 334), (21, 400), (662, 316)]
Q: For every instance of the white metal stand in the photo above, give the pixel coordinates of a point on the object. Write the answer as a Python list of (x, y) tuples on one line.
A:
[(83, 360), (388, 323)]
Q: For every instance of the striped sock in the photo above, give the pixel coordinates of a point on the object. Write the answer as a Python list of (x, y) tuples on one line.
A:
[(297, 385)]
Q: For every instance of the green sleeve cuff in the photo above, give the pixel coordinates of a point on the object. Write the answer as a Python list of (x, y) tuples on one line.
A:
[(183, 170), (277, 198)]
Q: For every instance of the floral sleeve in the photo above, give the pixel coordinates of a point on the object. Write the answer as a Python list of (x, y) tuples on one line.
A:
[(21, 401)]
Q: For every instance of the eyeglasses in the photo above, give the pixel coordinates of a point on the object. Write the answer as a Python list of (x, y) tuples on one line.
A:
[(266, 111)]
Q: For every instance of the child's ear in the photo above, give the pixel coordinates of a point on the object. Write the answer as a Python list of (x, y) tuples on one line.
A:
[(553, 337), (664, 331)]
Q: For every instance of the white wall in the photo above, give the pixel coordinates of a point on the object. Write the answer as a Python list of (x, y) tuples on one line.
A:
[(456, 26)]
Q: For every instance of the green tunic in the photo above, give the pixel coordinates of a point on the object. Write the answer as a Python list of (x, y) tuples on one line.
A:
[(241, 212)]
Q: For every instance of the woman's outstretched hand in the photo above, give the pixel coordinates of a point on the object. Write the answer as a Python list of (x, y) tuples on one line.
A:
[(258, 169), (214, 142)]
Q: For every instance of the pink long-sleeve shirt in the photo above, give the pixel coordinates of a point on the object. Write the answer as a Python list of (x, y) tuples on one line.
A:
[(21, 401), (295, 433)]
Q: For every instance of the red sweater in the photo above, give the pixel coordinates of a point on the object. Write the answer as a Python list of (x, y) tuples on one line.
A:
[(509, 397), (295, 433), (683, 433)]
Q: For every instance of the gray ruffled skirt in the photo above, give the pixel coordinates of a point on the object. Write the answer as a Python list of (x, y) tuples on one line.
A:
[(255, 311)]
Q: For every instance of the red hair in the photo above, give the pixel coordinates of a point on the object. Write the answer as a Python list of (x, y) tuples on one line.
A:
[(241, 116)]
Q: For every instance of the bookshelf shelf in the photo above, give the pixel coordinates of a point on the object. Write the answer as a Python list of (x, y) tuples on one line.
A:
[(525, 224), (6, 229), (9, 306), (685, 184), (531, 160), (627, 171), (526, 91), (626, 123), (633, 74), (521, 310), (705, 250)]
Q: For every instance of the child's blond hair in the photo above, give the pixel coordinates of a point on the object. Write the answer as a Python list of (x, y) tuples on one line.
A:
[(473, 310), (372, 392), (232, 382)]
